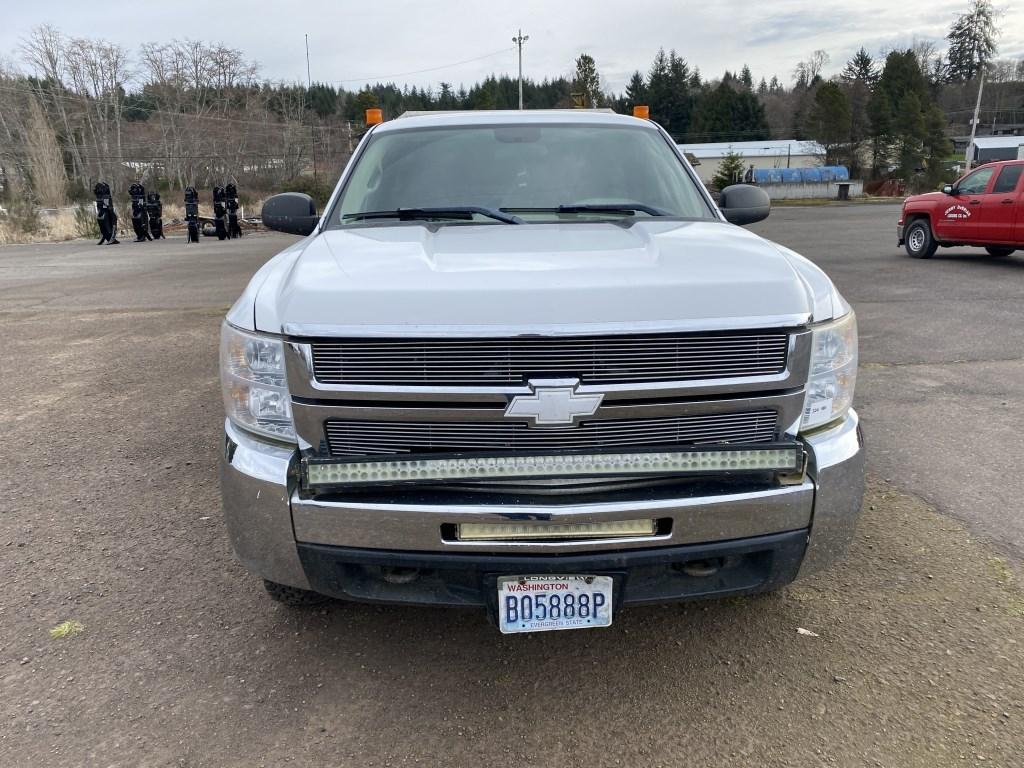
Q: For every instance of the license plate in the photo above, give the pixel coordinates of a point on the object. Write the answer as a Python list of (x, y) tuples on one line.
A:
[(545, 603)]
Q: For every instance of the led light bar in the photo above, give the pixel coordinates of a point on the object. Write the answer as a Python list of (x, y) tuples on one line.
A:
[(540, 531), (428, 469)]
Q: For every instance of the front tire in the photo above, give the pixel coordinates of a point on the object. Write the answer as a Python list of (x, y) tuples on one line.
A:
[(919, 240), (998, 251), (292, 596)]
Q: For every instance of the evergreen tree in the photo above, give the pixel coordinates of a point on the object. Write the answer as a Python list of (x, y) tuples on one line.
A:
[(828, 121), (747, 78), (861, 68), (908, 128), (936, 144), (636, 91), (880, 116), (722, 114), (669, 93), (680, 107), (486, 95), (972, 41), (910, 133), (445, 97), (659, 89), (587, 81), (858, 78), (730, 171)]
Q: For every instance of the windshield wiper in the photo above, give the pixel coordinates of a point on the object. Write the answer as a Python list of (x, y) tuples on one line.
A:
[(626, 209), (650, 210), (460, 212)]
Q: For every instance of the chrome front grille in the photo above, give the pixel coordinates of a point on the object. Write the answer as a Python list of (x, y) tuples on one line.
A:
[(593, 360), (362, 438)]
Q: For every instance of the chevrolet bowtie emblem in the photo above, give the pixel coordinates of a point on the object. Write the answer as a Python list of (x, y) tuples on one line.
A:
[(554, 402)]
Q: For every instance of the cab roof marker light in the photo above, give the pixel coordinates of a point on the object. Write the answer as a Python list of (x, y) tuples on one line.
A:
[(777, 458)]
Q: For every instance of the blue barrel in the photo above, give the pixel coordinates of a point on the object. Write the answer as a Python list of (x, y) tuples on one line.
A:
[(811, 175), (838, 173), (791, 175)]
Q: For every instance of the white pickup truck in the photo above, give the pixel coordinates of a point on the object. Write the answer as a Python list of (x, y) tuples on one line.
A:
[(524, 362)]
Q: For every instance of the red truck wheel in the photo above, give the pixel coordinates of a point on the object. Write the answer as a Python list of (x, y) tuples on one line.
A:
[(994, 250), (919, 240)]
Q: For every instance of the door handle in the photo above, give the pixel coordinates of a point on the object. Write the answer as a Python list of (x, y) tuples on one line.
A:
[(1008, 201), (975, 202)]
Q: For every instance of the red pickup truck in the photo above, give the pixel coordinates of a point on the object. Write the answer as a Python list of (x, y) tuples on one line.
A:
[(984, 208)]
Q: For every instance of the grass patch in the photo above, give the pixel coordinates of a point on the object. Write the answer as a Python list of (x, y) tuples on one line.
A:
[(1001, 570)]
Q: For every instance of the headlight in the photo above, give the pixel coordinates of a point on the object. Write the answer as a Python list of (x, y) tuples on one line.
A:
[(833, 372), (252, 377)]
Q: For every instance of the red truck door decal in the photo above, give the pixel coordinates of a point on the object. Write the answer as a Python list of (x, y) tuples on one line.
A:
[(957, 212), (959, 221)]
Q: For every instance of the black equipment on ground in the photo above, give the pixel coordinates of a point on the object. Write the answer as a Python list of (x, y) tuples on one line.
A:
[(220, 213), (140, 223), (231, 192), (155, 211), (192, 214), (105, 214)]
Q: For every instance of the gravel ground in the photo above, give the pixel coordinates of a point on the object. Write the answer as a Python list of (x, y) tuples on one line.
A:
[(109, 516)]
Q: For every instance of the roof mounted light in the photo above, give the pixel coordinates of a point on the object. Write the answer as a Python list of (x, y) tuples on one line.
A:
[(374, 116)]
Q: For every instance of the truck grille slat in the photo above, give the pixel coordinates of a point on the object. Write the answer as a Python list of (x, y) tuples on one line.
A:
[(360, 438), (603, 359)]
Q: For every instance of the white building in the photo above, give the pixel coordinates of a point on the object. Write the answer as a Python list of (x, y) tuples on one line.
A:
[(783, 153), (988, 149)]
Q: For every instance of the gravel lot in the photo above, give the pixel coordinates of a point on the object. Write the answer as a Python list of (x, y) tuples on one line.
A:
[(109, 515)]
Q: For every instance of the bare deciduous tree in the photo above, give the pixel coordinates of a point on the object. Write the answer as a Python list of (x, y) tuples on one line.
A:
[(45, 166)]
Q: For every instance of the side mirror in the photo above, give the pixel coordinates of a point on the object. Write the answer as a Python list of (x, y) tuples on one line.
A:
[(947, 189), (291, 212), (744, 204)]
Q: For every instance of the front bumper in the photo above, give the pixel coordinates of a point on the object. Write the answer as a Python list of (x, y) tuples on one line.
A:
[(315, 544), (756, 564), (899, 233)]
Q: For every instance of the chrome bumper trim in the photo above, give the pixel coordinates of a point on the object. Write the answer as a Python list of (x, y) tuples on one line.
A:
[(260, 506), (417, 527), (254, 486), (836, 461)]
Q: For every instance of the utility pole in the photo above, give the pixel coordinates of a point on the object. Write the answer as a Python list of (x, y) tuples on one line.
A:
[(969, 157), (312, 129), (519, 40)]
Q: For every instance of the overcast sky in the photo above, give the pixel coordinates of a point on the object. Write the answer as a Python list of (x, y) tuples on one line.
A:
[(352, 42)]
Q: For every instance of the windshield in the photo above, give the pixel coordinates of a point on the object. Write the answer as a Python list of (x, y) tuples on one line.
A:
[(531, 171)]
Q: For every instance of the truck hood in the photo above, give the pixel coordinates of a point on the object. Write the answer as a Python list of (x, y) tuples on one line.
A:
[(925, 197), (520, 279)]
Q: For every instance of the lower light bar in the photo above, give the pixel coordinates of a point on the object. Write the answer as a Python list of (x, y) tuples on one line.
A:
[(787, 458), (541, 531)]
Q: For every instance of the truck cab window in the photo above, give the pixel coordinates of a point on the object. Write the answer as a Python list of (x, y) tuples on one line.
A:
[(1007, 180), (976, 183)]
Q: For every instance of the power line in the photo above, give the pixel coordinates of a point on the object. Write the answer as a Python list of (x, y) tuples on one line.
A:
[(419, 71)]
